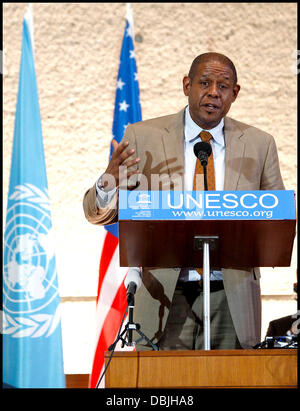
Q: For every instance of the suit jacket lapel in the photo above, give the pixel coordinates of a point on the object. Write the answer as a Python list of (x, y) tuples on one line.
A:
[(235, 148), (173, 141)]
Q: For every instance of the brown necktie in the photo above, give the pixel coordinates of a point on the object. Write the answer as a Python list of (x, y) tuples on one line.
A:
[(210, 174), (210, 169)]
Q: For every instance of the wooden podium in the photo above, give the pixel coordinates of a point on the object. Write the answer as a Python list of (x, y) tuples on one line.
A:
[(162, 240), (242, 243), (168, 242), (261, 368)]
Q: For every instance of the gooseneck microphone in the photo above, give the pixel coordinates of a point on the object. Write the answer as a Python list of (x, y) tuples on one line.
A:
[(202, 151)]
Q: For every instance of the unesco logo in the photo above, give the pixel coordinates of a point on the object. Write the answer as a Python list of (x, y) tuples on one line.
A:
[(29, 272)]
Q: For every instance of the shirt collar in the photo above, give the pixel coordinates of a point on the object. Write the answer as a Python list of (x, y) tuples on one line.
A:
[(192, 130)]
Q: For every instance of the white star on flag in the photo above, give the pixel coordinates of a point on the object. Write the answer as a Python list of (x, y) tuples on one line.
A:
[(120, 84), (136, 77), (123, 106), (125, 126), (129, 32), (132, 54)]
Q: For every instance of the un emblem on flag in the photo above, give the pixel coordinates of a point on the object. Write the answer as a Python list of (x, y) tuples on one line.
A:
[(30, 281)]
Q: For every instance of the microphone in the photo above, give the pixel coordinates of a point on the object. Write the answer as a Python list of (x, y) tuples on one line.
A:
[(202, 150), (132, 282), (131, 289)]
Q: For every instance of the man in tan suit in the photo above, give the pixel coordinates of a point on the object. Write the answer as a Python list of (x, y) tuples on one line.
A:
[(169, 303)]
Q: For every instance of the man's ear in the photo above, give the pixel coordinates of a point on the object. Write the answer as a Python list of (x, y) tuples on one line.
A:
[(236, 90), (186, 83)]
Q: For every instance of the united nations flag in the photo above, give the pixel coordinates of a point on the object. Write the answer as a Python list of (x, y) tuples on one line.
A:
[(31, 327)]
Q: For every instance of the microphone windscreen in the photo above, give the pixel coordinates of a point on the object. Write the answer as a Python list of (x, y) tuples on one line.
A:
[(202, 147), (133, 275)]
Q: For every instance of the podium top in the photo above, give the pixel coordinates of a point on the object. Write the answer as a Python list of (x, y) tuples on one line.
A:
[(207, 205), (161, 228)]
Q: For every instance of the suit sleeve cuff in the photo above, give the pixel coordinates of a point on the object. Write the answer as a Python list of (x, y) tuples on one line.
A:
[(103, 198)]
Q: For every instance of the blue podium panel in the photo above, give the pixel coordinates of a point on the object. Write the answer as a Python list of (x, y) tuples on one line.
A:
[(207, 205), (160, 228)]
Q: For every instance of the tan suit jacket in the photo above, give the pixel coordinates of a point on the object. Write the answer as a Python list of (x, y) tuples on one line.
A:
[(251, 163)]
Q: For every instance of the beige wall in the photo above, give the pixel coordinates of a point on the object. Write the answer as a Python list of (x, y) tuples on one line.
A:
[(77, 49)]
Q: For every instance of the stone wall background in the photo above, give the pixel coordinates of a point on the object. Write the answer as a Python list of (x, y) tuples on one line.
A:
[(77, 47)]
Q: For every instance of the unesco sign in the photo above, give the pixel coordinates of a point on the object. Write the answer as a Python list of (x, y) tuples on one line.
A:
[(206, 205)]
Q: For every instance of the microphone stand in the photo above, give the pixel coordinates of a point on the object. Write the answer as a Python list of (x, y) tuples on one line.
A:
[(128, 329), (130, 323), (205, 175), (204, 243)]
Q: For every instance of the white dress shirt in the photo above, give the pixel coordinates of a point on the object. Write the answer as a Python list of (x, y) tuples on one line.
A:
[(191, 137)]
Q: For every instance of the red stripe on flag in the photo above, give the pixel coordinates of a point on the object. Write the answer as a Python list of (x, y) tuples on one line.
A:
[(111, 275), (109, 247), (108, 333)]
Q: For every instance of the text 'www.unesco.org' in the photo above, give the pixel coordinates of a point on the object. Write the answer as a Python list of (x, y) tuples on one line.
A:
[(224, 214)]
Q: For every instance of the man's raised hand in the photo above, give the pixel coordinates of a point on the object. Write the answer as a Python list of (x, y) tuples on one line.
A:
[(117, 169)]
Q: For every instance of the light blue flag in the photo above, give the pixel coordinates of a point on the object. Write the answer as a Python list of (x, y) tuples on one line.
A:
[(32, 341)]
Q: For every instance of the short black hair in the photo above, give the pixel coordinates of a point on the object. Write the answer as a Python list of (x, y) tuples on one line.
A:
[(212, 56)]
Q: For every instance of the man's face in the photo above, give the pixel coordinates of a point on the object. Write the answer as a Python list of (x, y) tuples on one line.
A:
[(210, 93)]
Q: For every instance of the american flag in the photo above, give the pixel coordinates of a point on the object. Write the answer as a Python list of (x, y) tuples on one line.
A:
[(111, 295)]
